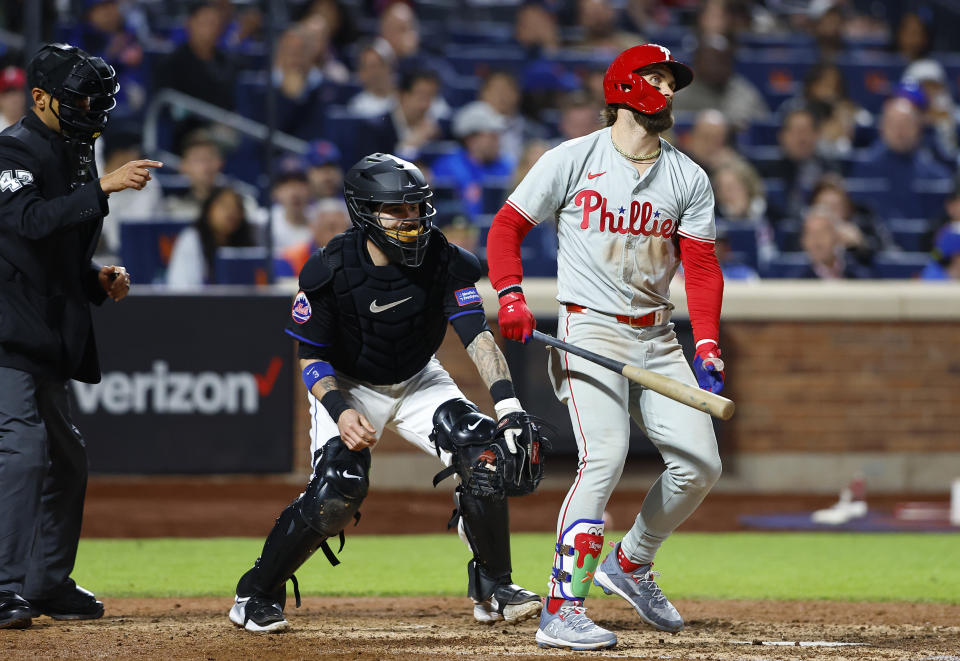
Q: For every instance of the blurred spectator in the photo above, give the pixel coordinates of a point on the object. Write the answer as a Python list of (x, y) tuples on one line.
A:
[(862, 232), (502, 93), (303, 92), (104, 33), (400, 29), (940, 114), (708, 141), (316, 30), (340, 26), (797, 166), (375, 71), (128, 205), (535, 29), (898, 157), (945, 263), (730, 264), (600, 33), (532, 151), (544, 84), (199, 67), (739, 192), (241, 29), (13, 97), (740, 200), (717, 85), (324, 173), (914, 35), (579, 116), (824, 247), (409, 126), (222, 222), (477, 126), (201, 163), (828, 27), (291, 201), (825, 95), (327, 219)]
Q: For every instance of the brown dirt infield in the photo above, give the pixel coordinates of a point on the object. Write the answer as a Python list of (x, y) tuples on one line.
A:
[(443, 628)]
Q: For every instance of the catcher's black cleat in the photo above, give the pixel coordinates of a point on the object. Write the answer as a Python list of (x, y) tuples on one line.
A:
[(258, 614), (14, 611), (68, 602)]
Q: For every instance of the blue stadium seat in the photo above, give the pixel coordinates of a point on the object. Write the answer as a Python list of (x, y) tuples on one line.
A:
[(871, 77), (911, 234), (742, 238), (241, 266), (760, 133), (778, 74), (786, 234), (785, 265), (902, 265), (145, 248), (495, 191), (478, 61)]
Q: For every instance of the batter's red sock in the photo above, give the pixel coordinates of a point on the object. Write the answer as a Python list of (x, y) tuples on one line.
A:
[(626, 564), (554, 604)]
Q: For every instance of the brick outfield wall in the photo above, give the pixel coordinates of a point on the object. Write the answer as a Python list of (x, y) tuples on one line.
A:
[(825, 387)]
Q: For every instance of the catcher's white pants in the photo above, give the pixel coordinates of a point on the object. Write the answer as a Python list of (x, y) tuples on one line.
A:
[(406, 407), (601, 404)]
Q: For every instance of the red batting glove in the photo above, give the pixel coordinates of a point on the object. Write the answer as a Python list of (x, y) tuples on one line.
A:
[(516, 320)]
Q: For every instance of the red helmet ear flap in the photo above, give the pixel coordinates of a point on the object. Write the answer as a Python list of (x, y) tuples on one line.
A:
[(623, 85), (634, 91)]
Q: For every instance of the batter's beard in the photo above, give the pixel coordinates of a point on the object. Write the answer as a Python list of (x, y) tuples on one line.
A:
[(658, 122)]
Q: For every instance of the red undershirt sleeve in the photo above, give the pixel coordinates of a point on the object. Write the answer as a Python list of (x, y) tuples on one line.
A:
[(703, 282), (503, 247)]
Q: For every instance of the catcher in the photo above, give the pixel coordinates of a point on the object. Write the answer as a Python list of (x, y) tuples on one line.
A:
[(372, 309)]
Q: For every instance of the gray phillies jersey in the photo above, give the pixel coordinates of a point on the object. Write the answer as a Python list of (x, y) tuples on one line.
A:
[(616, 227)]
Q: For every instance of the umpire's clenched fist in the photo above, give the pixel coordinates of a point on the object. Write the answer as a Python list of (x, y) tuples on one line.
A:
[(132, 174)]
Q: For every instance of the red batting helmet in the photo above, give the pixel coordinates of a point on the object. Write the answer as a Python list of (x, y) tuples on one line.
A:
[(622, 83)]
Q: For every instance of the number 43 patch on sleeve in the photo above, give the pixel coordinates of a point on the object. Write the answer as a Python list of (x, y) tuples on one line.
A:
[(13, 180)]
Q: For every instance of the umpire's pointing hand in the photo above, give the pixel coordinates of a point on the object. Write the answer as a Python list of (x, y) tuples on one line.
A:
[(356, 432), (132, 174)]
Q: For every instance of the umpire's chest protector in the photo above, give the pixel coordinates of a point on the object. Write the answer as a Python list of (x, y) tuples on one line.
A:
[(391, 317)]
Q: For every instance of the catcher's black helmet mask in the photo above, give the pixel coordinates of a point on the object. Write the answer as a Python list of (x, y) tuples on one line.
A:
[(380, 179)]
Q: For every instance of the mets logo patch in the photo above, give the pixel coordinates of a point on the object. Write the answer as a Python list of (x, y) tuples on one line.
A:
[(301, 308), (467, 296)]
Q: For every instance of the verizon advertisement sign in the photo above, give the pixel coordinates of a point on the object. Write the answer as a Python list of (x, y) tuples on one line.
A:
[(190, 385)]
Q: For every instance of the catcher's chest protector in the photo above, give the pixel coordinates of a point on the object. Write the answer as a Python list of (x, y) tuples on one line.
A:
[(391, 318)]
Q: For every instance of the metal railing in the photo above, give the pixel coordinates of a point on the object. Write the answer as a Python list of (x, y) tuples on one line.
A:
[(239, 123)]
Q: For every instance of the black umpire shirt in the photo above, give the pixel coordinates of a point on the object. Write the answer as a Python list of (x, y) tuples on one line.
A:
[(382, 324), (49, 230)]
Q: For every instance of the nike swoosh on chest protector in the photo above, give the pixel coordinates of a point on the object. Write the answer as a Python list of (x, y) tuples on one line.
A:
[(374, 308)]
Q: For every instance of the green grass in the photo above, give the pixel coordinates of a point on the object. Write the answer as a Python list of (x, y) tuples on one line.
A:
[(837, 566)]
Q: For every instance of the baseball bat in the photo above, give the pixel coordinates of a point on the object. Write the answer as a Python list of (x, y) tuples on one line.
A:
[(704, 400)]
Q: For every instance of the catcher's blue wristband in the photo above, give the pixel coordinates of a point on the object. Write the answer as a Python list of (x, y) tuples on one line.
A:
[(316, 371)]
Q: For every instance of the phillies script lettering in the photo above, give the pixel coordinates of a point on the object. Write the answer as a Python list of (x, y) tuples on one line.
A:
[(641, 219)]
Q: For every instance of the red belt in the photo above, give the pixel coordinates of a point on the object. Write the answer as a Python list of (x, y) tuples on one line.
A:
[(637, 322)]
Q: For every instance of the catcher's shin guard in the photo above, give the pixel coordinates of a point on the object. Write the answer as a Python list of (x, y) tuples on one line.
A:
[(340, 482), (576, 559), (486, 526)]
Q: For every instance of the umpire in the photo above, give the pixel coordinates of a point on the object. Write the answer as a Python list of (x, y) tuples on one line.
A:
[(51, 212)]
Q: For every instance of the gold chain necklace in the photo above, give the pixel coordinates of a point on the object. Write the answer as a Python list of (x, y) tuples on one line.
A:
[(633, 157)]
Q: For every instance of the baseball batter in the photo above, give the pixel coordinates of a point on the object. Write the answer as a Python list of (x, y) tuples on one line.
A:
[(630, 209)]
